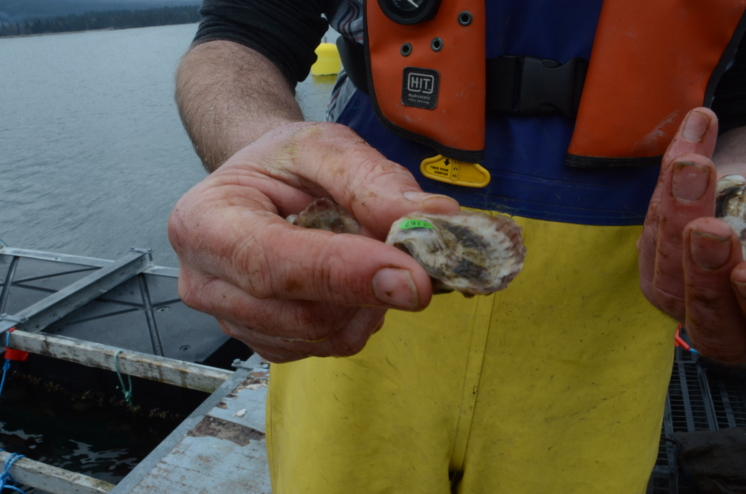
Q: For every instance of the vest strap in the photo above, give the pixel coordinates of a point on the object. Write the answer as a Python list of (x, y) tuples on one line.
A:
[(352, 55), (516, 85)]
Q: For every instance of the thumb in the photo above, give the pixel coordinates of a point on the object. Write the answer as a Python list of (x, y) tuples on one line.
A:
[(331, 160)]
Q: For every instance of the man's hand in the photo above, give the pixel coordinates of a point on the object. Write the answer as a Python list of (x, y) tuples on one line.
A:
[(286, 291), (691, 266)]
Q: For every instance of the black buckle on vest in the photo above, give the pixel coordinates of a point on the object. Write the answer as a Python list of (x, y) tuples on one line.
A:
[(516, 84), (529, 86)]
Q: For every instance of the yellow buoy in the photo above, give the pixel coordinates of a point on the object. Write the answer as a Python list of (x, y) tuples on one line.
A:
[(328, 62)]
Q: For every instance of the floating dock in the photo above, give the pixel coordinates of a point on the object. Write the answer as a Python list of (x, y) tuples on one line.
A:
[(219, 448), (126, 316)]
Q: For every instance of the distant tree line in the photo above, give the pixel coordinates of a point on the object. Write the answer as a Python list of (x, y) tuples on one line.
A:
[(113, 19)]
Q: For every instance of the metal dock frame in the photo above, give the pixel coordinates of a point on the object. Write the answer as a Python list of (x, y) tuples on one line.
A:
[(56, 306), (243, 428)]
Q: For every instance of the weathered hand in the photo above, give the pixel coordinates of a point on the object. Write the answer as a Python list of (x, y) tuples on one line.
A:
[(286, 291), (690, 263)]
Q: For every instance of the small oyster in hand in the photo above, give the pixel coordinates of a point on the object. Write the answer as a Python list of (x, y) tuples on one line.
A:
[(472, 253), (469, 252), (323, 214), (730, 205)]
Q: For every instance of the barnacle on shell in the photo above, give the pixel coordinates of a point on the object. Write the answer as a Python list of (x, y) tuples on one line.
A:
[(469, 252)]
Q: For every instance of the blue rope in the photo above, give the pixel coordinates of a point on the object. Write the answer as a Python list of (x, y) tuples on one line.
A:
[(126, 390), (5, 477), (2, 242), (6, 366)]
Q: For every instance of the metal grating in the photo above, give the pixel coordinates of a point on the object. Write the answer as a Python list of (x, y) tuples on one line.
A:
[(698, 400), (729, 401), (691, 409), (664, 479)]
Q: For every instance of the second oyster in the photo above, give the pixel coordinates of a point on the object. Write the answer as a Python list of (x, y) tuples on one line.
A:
[(323, 214), (472, 253), (730, 205)]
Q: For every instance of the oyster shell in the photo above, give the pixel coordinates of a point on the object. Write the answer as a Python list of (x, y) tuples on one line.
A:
[(730, 205), (469, 252), (323, 214)]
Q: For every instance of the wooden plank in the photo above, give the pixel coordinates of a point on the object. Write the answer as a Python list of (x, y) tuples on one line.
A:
[(52, 479), (155, 368), (220, 448), (246, 404), (155, 472), (206, 464)]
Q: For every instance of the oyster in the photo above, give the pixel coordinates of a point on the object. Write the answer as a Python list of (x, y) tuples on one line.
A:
[(730, 205), (323, 214), (469, 252)]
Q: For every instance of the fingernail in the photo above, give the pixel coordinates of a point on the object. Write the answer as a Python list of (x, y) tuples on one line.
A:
[(695, 126), (741, 287), (424, 196), (380, 325), (395, 287), (738, 278), (710, 251), (690, 181)]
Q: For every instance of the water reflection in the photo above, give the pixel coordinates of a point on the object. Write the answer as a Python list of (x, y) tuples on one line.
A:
[(94, 158), (79, 433)]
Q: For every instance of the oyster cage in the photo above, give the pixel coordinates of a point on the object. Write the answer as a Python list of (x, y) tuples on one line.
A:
[(699, 399)]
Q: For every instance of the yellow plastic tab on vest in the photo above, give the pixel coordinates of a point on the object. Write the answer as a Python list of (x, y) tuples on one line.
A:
[(455, 172)]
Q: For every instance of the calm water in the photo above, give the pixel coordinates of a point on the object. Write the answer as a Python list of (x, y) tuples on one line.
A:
[(78, 435), (92, 159), (92, 153)]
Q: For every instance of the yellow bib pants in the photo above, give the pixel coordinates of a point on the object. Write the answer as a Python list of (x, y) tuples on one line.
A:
[(555, 385)]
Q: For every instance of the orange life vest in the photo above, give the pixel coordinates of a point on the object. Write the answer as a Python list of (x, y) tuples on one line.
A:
[(651, 62)]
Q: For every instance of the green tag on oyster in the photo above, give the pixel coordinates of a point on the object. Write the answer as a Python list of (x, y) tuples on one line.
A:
[(408, 224)]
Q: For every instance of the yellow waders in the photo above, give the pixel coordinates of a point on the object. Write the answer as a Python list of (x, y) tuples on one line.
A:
[(555, 385)]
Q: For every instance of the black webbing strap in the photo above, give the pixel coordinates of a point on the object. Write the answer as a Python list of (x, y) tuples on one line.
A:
[(517, 85), (353, 60)]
